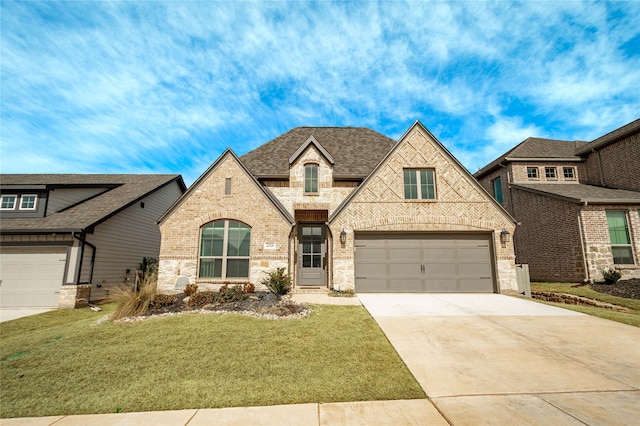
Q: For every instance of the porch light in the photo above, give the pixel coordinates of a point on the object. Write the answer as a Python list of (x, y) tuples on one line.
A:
[(343, 236), (505, 236)]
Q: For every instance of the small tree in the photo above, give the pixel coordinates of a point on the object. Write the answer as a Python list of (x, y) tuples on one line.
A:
[(278, 282)]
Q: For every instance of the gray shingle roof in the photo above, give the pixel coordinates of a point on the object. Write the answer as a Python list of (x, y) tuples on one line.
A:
[(613, 136), (90, 212), (356, 151), (580, 193), (538, 148)]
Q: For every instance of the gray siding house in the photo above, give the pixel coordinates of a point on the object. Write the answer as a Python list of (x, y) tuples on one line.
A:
[(66, 239)]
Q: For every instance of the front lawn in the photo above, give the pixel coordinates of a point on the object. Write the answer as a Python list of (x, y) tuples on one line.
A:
[(62, 363), (632, 317)]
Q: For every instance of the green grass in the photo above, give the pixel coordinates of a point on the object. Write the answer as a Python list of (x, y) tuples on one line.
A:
[(60, 363), (632, 317)]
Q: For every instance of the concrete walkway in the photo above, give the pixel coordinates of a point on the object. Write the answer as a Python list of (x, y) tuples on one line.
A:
[(493, 359)]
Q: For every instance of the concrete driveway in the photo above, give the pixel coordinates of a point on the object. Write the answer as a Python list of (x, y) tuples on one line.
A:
[(494, 359), (8, 314)]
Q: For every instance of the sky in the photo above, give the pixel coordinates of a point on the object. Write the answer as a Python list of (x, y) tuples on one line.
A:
[(166, 87)]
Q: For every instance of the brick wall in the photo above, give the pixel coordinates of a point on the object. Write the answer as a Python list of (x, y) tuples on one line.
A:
[(459, 206), (598, 242), (548, 237), (181, 229), (487, 183), (519, 171), (620, 164)]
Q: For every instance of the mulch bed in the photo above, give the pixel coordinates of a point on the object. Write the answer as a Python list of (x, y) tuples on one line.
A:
[(627, 288)]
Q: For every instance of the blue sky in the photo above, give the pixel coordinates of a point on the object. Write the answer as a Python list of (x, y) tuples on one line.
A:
[(165, 87)]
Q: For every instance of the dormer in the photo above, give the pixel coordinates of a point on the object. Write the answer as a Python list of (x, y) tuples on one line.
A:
[(311, 167)]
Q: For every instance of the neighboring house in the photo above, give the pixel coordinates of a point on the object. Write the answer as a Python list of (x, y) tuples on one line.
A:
[(577, 204), (70, 238), (340, 208)]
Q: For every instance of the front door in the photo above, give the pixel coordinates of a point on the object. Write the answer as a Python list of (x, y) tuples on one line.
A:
[(311, 253)]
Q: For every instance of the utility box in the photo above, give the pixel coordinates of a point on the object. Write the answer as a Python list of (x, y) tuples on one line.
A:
[(522, 277)]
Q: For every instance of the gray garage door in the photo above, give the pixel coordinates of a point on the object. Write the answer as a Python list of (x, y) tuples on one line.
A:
[(419, 263), (31, 276)]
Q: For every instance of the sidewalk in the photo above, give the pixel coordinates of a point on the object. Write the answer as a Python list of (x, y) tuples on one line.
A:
[(401, 412)]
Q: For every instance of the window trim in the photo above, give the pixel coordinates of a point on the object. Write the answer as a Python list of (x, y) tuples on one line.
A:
[(312, 179), (500, 198), (572, 170), (35, 202), (533, 170), (225, 256), (628, 245), (551, 170), (13, 206), (419, 184)]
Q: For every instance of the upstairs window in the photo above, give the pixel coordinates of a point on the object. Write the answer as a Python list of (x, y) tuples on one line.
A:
[(550, 172), (619, 235), (28, 202), (8, 202), (569, 173), (224, 250), (497, 189), (419, 184), (532, 172), (311, 179)]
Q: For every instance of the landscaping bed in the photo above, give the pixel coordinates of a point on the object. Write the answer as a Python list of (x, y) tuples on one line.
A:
[(629, 289)]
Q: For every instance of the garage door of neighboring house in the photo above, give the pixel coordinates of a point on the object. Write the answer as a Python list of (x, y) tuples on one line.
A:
[(31, 276), (423, 263)]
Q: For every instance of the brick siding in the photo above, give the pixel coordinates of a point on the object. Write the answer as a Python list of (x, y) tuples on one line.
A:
[(620, 164)]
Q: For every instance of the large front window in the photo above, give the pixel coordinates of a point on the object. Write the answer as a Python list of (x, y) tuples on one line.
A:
[(311, 178), (224, 250), (619, 234), (419, 184)]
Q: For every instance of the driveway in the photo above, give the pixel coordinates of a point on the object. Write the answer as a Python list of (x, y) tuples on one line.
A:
[(8, 314), (495, 359)]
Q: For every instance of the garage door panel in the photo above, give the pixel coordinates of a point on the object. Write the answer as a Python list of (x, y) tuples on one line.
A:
[(31, 276), (424, 263)]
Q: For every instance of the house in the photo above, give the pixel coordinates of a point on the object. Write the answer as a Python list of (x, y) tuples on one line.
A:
[(70, 238), (577, 204), (340, 208)]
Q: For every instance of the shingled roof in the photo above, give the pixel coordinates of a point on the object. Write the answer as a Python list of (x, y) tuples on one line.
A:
[(536, 149), (582, 193), (356, 151), (121, 191)]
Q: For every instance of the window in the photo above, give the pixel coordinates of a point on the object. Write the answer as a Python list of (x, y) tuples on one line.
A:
[(28, 202), (569, 173), (550, 172), (497, 189), (311, 178), (619, 234), (224, 250), (8, 202), (419, 184), (227, 186), (532, 172)]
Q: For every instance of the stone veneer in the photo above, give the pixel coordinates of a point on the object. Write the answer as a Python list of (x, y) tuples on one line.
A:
[(74, 296)]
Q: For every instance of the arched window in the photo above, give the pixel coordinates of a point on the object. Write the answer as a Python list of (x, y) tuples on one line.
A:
[(224, 250)]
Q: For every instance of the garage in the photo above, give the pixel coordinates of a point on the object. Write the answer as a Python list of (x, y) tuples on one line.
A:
[(423, 263), (31, 276)]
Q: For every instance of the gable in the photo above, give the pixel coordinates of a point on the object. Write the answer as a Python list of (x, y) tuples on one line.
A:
[(459, 197), (319, 148), (209, 193)]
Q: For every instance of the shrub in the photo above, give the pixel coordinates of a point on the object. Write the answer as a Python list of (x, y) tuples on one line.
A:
[(163, 300), (342, 293), (135, 303), (202, 298), (611, 275), (231, 294), (191, 289), (249, 288), (278, 282)]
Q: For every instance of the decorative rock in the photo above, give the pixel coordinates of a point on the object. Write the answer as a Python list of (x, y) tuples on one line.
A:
[(181, 283)]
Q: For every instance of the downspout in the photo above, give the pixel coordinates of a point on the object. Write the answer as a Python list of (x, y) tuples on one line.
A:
[(328, 264), (93, 259), (582, 248), (291, 234)]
